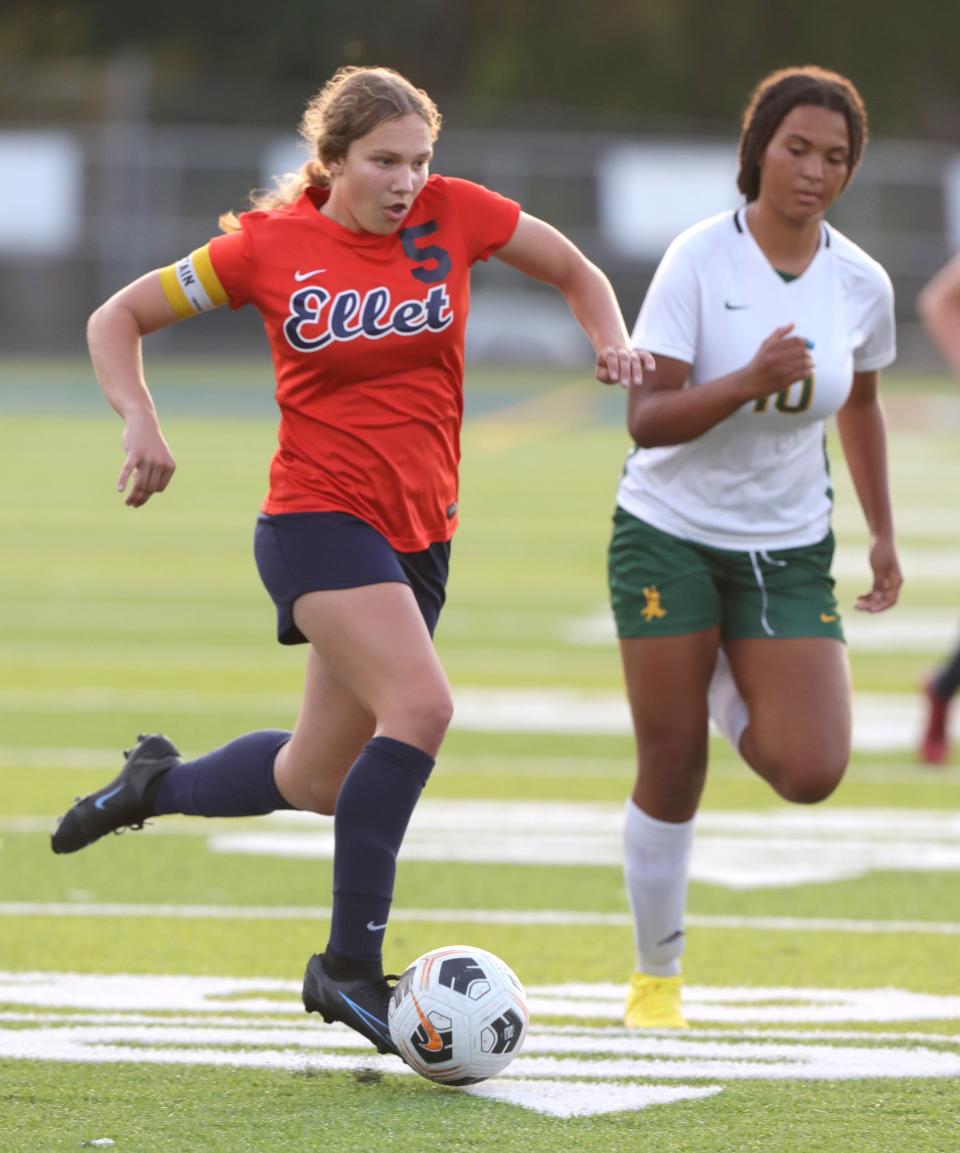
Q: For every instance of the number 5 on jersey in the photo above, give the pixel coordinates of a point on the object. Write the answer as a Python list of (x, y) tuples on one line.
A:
[(425, 253)]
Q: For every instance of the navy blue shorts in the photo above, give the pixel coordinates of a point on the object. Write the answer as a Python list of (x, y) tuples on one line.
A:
[(303, 552)]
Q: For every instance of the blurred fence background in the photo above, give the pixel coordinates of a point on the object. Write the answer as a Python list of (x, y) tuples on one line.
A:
[(106, 175)]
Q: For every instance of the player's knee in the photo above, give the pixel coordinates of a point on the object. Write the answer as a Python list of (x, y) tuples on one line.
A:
[(673, 750), (435, 715), (423, 721), (310, 787), (804, 766), (806, 792), (319, 798), (808, 784)]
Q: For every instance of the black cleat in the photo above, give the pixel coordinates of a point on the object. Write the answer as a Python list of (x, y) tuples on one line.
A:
[(359, 1003), (121, 804)]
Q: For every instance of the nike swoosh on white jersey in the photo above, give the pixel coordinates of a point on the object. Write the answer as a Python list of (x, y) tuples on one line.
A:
[(301, 276)]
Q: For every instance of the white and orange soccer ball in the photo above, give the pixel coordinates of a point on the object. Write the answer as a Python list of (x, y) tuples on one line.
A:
[(458, 1015)]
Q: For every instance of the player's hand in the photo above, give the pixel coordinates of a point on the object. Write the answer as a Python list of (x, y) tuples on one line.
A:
[(887, 578), (148, 461), (620, 364), (780, 361)]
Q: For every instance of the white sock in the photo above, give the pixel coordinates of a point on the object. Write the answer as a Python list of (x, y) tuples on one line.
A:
[(728, 710), (656, 862)]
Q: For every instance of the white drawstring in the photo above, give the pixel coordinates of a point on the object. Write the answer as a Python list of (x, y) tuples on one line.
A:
[(758, 574)]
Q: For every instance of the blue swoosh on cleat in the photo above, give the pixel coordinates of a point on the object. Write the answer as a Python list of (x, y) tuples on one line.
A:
[(374, 1022), (101, 801)]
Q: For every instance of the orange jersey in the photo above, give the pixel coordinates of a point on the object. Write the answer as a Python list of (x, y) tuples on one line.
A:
[(367, 337)]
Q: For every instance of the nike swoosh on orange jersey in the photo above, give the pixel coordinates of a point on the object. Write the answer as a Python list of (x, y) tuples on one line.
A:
[(434, 1040)]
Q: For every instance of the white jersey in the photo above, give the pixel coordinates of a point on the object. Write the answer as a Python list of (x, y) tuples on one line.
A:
[(760, 479)]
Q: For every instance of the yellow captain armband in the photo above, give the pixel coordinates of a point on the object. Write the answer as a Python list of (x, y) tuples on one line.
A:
[(191, 285)]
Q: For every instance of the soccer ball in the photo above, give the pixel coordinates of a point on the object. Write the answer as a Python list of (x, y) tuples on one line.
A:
[(458, 1015)]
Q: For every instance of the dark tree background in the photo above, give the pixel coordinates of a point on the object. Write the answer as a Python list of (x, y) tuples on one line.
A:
[(603, 63)]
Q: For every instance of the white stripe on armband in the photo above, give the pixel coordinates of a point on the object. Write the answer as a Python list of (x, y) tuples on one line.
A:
[(192, 287)]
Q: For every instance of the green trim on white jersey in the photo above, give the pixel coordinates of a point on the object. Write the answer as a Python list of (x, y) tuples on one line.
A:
[(759, 479)]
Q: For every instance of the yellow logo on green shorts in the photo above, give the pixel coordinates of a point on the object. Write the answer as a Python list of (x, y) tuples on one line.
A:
[(652, 608)]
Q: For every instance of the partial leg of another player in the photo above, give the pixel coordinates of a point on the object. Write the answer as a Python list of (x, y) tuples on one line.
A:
[(938, 693), (666, 680)]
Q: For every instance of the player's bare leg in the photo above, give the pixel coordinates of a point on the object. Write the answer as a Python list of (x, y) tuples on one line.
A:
[(373, 643), (667, 682), (332, 728), (797, 694), (373, 640)]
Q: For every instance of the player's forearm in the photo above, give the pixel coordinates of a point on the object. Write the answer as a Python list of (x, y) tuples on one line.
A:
[(593, 302), (864, 439), (661, 417), (114, 341), (538, 250)]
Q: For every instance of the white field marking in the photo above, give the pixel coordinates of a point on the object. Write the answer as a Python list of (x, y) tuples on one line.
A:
[(49, 756), (921, 565), (309, 913), (931, 522), (524, 917), (237, 998), (552, 1038), (152, 703), (602, 766), (542, 1042), (769, 848), (615, 1063), (881, 722), (739, 850), (586, 1099), (904, 630), (756, 1005), (596, 766)]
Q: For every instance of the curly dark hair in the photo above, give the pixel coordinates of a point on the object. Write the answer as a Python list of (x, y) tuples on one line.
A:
[(781, 92)]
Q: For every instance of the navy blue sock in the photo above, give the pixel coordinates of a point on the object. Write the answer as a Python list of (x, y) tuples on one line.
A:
[(234, 781), (947, 680), (374, 807)]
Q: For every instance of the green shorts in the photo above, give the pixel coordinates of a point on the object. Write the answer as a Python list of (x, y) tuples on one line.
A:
[(663, 586)]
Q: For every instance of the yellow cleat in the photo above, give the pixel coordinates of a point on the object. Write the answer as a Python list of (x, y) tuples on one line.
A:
[(654, 1003)]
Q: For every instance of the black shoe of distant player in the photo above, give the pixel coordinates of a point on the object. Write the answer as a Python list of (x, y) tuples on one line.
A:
[(359, 1003), (120, 805)]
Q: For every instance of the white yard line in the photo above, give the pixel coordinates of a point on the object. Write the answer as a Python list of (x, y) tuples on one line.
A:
[(561, 1071), (600, 765), (881, 722), (902, 631), (775, 847), (466, 916), (928, 521), (921, 565)]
